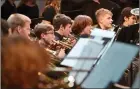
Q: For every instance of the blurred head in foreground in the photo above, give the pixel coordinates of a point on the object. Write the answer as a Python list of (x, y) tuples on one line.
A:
[(21, 61)]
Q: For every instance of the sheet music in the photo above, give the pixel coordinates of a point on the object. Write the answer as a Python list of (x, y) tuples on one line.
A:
[(112, 66), (85, 48), (102, 33), (93, 47), (87, 64)]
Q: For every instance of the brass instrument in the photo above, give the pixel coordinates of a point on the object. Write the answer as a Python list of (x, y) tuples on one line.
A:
[(64, 44), (64, 81), (135, 11), (71, 40), (57, 47), (60, 44), (49, 82)]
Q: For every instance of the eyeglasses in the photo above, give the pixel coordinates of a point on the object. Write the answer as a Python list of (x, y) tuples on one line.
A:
[(49, 32)]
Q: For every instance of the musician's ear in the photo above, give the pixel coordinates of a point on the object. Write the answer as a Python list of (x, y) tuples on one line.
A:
[(125, 18), (9, 31), (61, 27), (42, 35), (19, 29)]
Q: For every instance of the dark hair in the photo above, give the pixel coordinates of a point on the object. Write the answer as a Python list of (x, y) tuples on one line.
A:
[(25, 1), (80, 22), (4, 27), (42, 28), (61, 19), (21, 61), (126, 12)]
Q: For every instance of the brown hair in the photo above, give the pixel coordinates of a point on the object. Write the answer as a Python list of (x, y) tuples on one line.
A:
[(54, 3), (42, 28), (4, 28), (80, 22), (126, 12), (21, 62), (61, 19)]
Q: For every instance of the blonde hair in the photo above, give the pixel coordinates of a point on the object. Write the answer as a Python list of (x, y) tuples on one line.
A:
[(102, 12), (16, 20)]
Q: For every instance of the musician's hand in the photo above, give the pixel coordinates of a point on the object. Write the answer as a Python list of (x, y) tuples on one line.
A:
[(73, 42), (61, 54)]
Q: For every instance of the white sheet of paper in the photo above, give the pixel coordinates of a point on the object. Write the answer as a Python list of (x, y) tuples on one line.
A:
[(102, 33), (85, 48)]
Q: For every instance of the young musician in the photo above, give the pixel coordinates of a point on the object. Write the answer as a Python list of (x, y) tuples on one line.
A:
[(127, 18), (82, 26), (45, 34), (62, 25), (127, 21), (19, 24), (104, 19)]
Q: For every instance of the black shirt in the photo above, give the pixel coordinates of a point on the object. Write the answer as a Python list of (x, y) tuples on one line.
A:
[(49, 13), (7, 9), (129, 34), (58, 36), (31, 12)]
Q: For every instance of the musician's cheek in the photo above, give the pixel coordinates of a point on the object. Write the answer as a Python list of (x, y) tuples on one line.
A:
[(61, 53)]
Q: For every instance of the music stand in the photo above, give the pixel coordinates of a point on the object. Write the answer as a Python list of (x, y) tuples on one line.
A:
[(85, 56), (108, 69), (99, 40), (111, 66), (106, 63)]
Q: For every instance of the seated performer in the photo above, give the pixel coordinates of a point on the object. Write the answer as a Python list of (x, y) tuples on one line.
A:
[(45, 34), (104, 19), (82, 26), (19, 24), (127, 18), (62, 25), (129, 30)]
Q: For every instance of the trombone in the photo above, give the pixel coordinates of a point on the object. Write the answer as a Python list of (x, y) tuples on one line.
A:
[(63, 44)]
